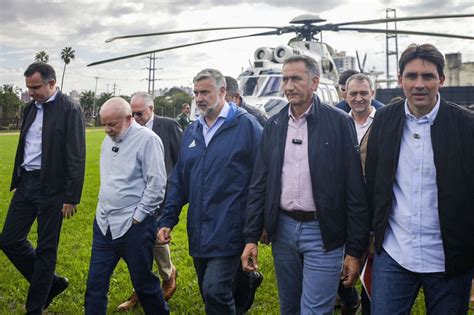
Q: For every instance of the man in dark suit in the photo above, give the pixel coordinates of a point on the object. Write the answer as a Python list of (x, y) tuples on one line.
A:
[(170, 133), (48, 178)]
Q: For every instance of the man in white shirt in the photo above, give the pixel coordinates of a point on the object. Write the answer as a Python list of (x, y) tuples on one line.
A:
[(170, 133), (133, 180), (359, 94)]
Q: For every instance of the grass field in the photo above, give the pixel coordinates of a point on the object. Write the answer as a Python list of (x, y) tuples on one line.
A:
[(75, 247)]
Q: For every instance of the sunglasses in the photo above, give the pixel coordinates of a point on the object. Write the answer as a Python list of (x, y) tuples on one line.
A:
[(138, 114)]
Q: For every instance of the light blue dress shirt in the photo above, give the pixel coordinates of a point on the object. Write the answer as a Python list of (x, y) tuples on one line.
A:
[(208, 132), (34, 139), (413, 236), (132, 179)]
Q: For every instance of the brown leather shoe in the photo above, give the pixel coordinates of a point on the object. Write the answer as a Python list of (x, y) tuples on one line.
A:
[(169, 286), (129, 304)]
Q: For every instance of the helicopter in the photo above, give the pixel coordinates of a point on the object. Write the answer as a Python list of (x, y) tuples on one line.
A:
[(261, 82)]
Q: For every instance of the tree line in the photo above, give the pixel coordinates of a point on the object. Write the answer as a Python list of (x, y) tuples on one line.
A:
[(168, 105)]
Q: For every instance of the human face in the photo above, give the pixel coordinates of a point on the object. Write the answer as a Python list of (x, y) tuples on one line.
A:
[(141, 112), (297, 85), (38, 89), (209, 99), (231, 98), (187, 110), (420, 82), (342, 87), (359, 96), (115, 122)]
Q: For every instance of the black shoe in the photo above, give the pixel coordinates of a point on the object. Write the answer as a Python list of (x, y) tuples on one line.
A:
[(59, 285), (245, 286)]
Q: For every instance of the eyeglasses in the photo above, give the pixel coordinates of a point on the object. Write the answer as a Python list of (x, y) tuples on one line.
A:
[(138, 114)]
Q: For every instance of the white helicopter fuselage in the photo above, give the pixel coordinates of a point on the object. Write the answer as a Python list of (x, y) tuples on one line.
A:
[(261, 84)]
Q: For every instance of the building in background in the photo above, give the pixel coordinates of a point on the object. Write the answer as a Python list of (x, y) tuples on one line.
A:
[(344, 62), (458, 73)]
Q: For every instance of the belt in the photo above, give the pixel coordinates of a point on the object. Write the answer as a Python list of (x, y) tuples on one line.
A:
[(302, 216), (35, 173)]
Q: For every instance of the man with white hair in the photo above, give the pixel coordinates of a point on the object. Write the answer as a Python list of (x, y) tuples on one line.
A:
[(170, 133), (133, 180)]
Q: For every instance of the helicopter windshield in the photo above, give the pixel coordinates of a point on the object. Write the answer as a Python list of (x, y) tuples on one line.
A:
[(267, 85)]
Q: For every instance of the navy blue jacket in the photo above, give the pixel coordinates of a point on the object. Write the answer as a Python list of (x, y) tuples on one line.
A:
[(336, 176), (215, 181)]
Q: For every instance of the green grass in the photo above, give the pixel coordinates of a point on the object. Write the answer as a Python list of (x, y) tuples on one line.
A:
[(75, 248)]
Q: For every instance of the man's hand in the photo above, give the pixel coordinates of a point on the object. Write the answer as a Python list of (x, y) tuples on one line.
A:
[(135, 221), (68, 210), (350, 271), (249, 257), (164, 235), (264, 238)]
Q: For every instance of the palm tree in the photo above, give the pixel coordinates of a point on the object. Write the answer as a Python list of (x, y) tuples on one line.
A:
[(67, 54), (42, 56)]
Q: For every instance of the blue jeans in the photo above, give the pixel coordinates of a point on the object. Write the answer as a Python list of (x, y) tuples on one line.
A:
[(135, 247), (307, 276), (216, 283), (394, 289)]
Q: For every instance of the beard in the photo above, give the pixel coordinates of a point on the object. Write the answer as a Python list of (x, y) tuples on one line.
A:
[(117, 137), (209, 109)]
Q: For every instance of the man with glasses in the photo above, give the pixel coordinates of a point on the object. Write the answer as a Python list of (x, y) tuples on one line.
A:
[(170, 133), (48, 177)]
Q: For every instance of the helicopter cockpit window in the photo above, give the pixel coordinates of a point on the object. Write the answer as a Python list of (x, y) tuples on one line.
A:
[(251, 85), (272, 87)]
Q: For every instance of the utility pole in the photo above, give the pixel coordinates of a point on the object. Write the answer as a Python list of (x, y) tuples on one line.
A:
[(95, 97), (115, 85), (151, 73), (389, 38)]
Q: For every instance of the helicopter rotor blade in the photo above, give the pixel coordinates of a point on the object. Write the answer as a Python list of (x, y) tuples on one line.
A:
[(401, 19), (191, 31), (358, 61), (385, 31), (278, 32)]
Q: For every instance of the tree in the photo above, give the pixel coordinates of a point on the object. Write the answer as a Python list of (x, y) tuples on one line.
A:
[(42, 56), (87, 99), (170, 104), (10, 106), (102, 99), (67, 54)]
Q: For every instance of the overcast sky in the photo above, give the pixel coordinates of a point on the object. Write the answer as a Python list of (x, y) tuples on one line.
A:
[(29, 26)]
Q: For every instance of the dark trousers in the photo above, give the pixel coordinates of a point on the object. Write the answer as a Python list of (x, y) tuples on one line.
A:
[(136, 248), (37, 266), (216, 283)]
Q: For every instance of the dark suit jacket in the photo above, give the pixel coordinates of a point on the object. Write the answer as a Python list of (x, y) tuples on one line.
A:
[(63, 153), (170, 133)]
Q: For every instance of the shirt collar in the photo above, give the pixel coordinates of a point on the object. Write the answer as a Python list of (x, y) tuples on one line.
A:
[(133, 125), (371, 115), (306, 113), (223, 114), (430, 117), (149, 123), (50, 99)]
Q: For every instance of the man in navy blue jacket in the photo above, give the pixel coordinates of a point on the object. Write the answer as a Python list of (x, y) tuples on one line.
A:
[(213, 173), (307, 192)]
